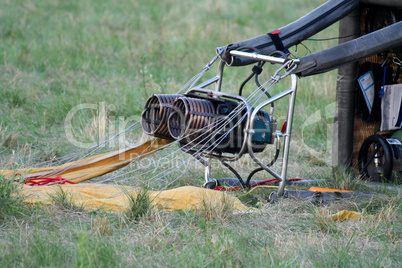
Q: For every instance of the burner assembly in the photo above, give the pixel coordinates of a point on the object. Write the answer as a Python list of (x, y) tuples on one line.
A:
[(203, 122), (210, 124)]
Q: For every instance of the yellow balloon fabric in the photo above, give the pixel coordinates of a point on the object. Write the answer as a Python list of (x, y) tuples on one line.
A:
[(94, 166), (114, 198)]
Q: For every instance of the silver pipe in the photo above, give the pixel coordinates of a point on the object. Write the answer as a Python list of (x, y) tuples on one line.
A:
[(208, 82), (251, 130), (220, 76), (255, 158), (272, 99), (259, 57), (292, 100), (208, 170)]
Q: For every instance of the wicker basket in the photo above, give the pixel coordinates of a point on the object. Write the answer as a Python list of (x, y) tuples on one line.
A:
[(362, 130)]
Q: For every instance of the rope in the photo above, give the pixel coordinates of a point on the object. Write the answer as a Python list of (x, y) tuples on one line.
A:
[(201, 150), (202, 147), (76, 157)]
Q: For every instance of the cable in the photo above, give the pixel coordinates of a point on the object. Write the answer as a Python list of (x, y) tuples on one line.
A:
[(261, 186), (261, 169), (244, 82), (235, 173), (330, 38), (227, 121), (308, 50)]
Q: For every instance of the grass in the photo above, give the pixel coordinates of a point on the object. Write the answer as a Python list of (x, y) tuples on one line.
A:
[(11, 203), (51, 237), (56, 55), (63, 200), (101, 226), (215, 211), (140, 204), (344, 179)]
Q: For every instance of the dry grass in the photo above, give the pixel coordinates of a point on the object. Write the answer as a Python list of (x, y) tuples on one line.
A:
[(343, 179), (215, 210), (101, 226), (290, 233), (323, 220)]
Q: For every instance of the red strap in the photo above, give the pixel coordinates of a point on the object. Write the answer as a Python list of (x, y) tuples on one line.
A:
[(44, 181)]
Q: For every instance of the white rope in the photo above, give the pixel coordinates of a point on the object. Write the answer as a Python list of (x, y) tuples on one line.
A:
[(202, 147), (199, 151), (79, 155), (87, 153)]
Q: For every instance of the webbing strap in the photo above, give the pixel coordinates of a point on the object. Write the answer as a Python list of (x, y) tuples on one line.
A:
[(277, 40)]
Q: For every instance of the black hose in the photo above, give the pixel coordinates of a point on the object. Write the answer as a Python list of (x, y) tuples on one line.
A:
[(257, 82), (245, 82), (244, 185), (261, 169)]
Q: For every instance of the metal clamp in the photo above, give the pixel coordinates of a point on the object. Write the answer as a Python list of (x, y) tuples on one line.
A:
[(209, 64), (289, 66)]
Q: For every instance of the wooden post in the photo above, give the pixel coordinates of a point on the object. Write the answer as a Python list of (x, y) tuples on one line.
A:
[(342, 147)]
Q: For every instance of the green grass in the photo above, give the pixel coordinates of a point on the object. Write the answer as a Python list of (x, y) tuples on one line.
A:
[(140, 205), (63, 200), (56, 55), (11, 203), (287, 234)]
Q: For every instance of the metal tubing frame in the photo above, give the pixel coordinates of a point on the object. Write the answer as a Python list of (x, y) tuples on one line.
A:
[(249, 131), (287, 135), (292, 98), (208, 82), (220, 75), (208, 170), (255, 56)]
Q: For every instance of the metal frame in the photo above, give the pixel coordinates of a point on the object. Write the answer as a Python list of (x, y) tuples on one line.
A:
[(292, 98), (287, 66)]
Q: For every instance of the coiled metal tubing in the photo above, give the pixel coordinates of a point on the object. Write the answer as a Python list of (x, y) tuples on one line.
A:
[(191, 120), (156, 113)]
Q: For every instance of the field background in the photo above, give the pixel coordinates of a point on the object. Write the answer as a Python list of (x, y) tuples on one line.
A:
[(55, 55)]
